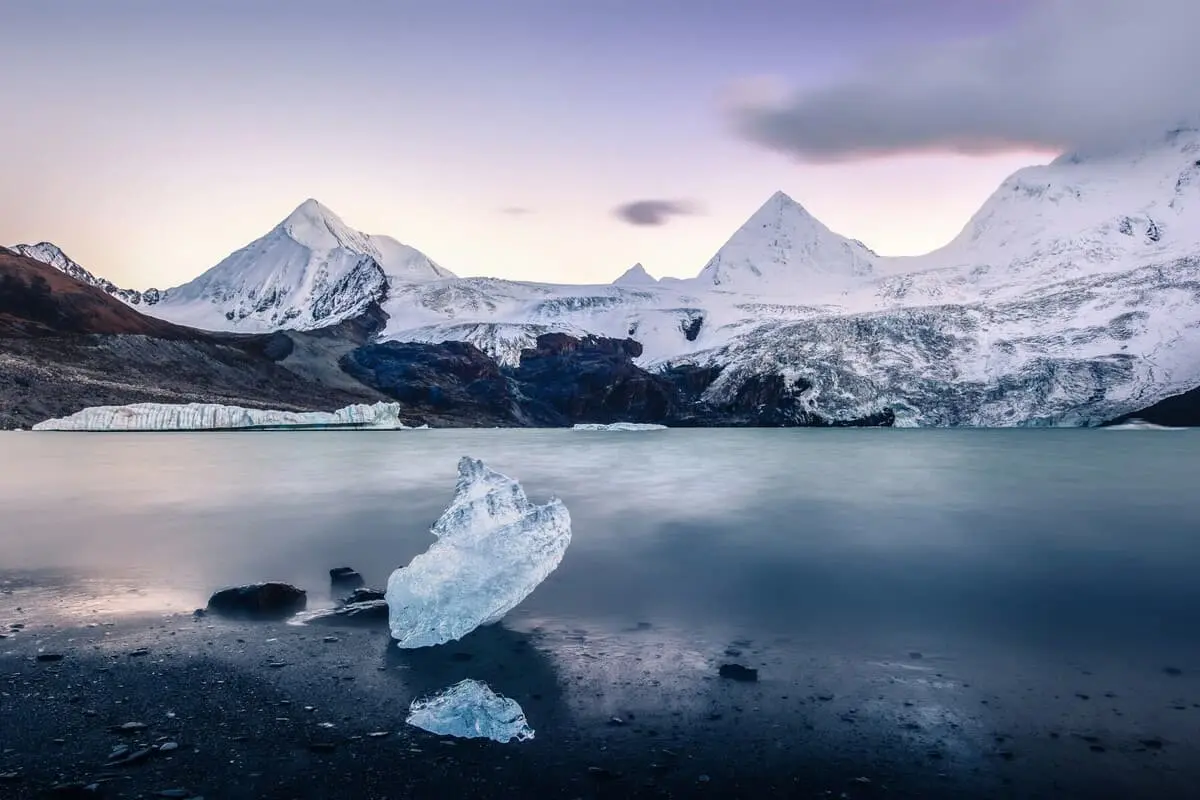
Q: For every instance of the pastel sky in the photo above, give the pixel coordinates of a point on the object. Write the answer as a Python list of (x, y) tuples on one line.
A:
[(149, 139)]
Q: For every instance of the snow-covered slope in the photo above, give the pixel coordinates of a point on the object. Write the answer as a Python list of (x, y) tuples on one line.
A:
[(784, 251), (53, 255), (309, 271)]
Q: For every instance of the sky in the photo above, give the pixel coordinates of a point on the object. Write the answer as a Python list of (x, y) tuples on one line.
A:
[(549, 140)]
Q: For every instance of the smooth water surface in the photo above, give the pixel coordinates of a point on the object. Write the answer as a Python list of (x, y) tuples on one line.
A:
[(1030, 538)]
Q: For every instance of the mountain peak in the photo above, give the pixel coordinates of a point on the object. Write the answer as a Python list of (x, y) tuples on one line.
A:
[(784, 249), (635, 276), (316, 227)]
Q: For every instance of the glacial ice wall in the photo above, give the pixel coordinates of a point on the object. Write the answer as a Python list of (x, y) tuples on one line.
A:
[(213, 416), (493, 549)]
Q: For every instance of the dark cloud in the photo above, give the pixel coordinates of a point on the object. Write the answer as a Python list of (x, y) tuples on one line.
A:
[(655, 212), (1071, 73), (516, 211)]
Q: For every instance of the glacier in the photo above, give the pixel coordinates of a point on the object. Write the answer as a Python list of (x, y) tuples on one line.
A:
[(493, 548), (213, 416), (471, 710), (1070, 297)]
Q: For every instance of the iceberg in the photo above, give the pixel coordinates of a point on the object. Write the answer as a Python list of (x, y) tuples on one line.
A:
[(493, 548), (470, 710), (619, 426), (213, 416)]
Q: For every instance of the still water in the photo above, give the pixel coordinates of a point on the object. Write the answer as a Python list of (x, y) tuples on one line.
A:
[(868, 539)]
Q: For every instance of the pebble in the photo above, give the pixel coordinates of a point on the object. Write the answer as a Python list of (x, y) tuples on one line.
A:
[(738, 673), (379, 734), (130, 726), (49, 657), (329, 639), (321, 747), (167, 747), (180, 793), (141, 651)]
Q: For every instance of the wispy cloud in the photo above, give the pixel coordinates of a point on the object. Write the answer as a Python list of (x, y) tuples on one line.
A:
[(654, 212)]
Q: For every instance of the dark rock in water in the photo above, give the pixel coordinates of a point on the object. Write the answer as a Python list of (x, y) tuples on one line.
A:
[(47, 657), (367, 612), (342, 578), (267, 600), (363, 596), (737, 672)]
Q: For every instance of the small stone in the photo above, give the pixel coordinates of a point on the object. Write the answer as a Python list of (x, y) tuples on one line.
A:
[(737, 672), (1082, 696), (48, 657), (862, 781), (704, 779), (8, 777), (141, 651), (276, 665), (322, 747), (167, 747), (601, 774), (324, 724), (180, 793), (1151, 744), (329, 639), (616, 721), (1174, 672), (378, 734), (129, 727)]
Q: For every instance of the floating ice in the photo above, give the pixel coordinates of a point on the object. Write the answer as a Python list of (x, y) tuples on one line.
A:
[(471, 710), (213, 416), (619, 426), (493, 548)]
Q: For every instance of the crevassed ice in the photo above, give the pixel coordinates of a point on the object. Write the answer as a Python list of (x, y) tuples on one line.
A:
[(214, 416), (471, 710), (619, 426), (493, 548)]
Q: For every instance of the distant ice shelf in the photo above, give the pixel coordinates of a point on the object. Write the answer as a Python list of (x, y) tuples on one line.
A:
[(214, 416), (619, 426)]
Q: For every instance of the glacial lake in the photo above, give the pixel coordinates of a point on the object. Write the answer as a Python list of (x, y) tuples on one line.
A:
[(1022, 581)]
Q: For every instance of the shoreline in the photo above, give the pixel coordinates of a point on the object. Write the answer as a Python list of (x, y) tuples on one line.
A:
[(277, 710)]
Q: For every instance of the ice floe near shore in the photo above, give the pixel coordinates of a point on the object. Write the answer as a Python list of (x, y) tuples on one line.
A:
[(493, 548), (471, 710), (619, 426), (213, 416)]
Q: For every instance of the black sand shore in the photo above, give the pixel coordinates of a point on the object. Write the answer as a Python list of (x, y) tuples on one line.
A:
[(270, 710)]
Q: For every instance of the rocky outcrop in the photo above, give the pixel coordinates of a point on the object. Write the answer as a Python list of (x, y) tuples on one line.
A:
[(1178, 411), (260, 600)]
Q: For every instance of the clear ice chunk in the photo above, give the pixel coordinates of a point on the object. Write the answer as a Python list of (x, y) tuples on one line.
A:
[(470, 710), (493, 549)]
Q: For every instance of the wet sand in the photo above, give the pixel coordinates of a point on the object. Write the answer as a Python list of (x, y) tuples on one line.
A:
[(271, 710)]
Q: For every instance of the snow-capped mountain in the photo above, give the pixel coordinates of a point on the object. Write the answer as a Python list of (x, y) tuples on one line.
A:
[(784, 251), (310, 270), (51, 254), (1069, 298), (636, 276)]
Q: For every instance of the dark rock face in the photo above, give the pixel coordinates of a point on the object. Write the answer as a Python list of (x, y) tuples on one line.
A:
[(263, 600), (564, 380), (364, 595), (592, 380), (344, 578), (446, 377), (1177, 411)]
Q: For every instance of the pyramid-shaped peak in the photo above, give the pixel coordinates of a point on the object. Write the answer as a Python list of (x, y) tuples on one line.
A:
[(782, 249), (635, 276), (317, 227)]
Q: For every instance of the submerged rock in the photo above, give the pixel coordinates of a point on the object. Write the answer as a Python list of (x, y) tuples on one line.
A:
[(493, 548), (471, 710), (269, 600), (737, 672)]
